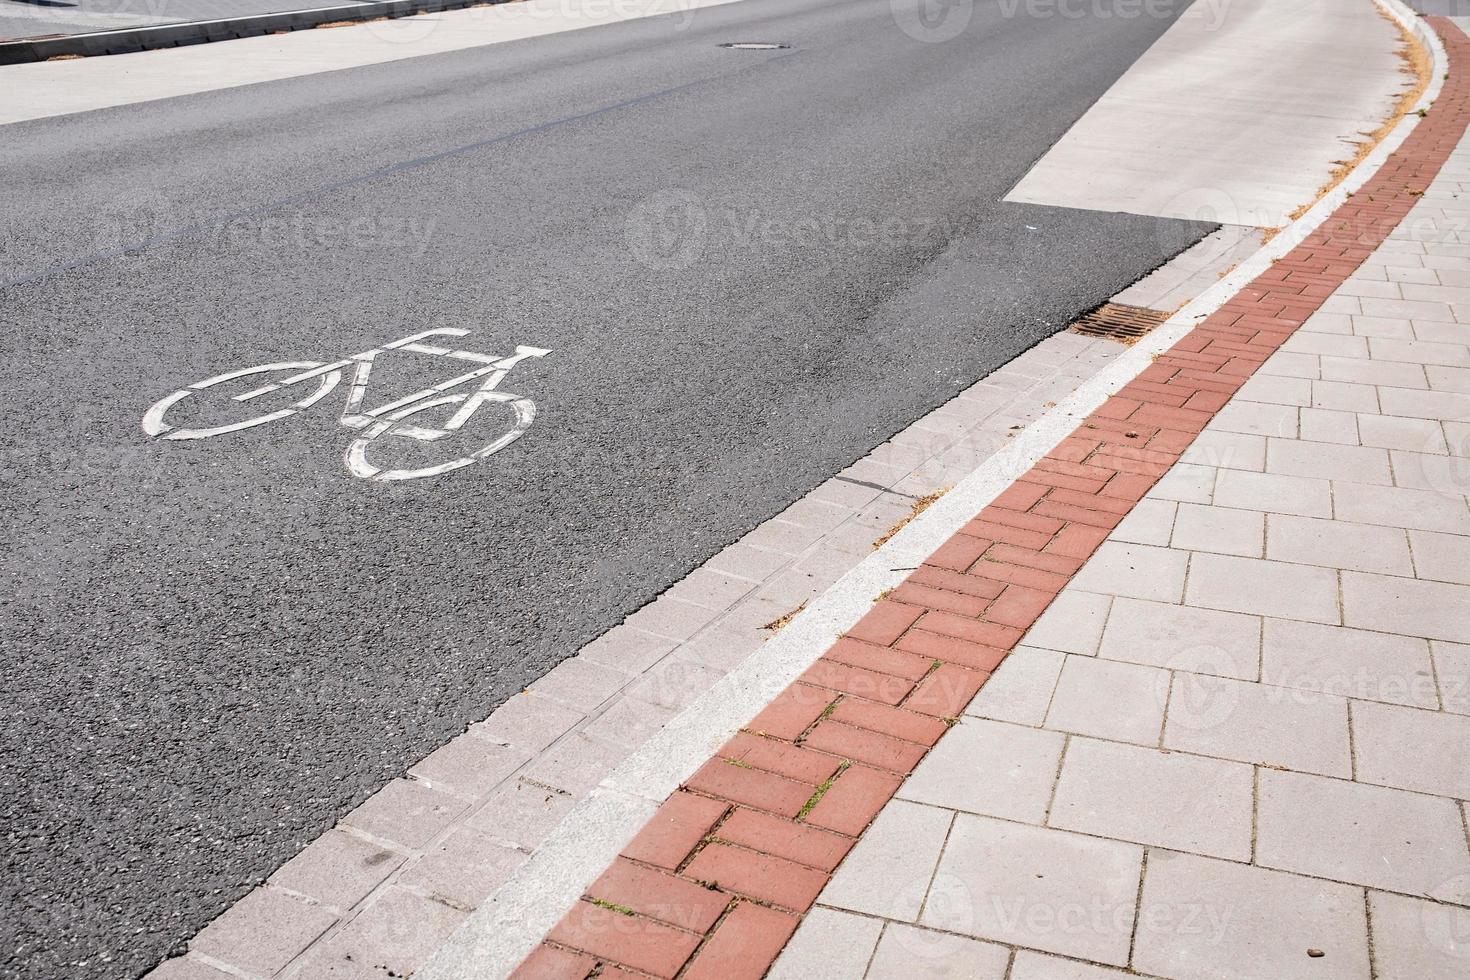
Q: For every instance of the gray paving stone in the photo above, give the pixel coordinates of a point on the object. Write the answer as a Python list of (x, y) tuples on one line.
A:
[(1452, 671), (678, 680), (1019, 691), (1073, 623), (627, 650), (1366, 835), (1435, 472), (263, 931), (469, 766), (1039, 966), (723, 650), (394, 935), (1419, 352), (629, 722), (186, 968), (1190, 482), (1343, 396), (1448, 378), (1285, 364), (1351, 663), (1445, 557), (521, 814), (1338, 544), (1204, 641), (828, 945), (464, 868), (1259, 724), (672, 618), (887, 873), (1165, 799), (579, 683), (1414, 939), (1425, 404), (1276, 390), (1427, 751), (575, 764), (1206, 919), (1437, 610), (743, 561), (1031, 886), (1323, 460), (1227, 450), (1388, 432), (406, 812), (989, 767), (1219, 529), (1374, 372), (1149, 522), (337, 869), (1325, 425), (907, 951), (1135, 570), (1109, 699), (1311, 342), (529, 722), (1266, 588), (717, 590), (1256, 418), (1274, 493)]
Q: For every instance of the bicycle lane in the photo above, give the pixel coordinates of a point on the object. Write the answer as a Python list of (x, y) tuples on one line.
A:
[(222, 645)]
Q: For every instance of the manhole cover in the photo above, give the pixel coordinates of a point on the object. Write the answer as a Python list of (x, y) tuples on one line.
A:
[(755, 45), (1116, 321)]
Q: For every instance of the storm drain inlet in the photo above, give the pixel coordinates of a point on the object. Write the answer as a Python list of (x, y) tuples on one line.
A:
[(1118, 321)]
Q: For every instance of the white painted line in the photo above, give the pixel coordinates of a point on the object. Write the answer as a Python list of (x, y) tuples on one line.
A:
[(505, 929)]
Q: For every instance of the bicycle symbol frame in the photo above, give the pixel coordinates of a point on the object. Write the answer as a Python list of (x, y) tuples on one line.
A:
[(391, 420)]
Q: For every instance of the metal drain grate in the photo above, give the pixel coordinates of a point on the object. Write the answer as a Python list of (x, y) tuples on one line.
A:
[(1115, 321), (755, 45)]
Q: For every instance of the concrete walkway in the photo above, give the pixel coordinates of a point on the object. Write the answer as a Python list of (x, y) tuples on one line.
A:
[(1235, 744), (1232, 116)]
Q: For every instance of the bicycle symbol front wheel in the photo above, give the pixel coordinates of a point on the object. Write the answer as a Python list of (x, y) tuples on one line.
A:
[(398, 425)]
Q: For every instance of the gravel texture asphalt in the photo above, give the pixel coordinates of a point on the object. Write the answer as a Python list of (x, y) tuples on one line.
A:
[(750, 267)]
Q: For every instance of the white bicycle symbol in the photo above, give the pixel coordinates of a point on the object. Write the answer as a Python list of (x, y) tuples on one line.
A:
[(384, 422)]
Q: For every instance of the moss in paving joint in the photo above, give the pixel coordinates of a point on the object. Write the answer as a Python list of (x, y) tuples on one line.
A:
[(738, 762), (603, 903), (822, 790)]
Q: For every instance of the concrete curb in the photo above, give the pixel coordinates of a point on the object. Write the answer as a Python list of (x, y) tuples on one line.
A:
[(129, 40), (510, 924)]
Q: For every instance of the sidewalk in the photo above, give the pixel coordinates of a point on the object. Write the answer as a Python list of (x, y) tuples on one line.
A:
[(1228, 620)]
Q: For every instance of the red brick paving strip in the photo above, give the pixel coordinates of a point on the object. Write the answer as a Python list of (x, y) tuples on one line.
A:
[(717, 881)]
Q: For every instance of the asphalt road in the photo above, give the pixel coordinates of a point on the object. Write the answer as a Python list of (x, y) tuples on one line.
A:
[(750, 267)]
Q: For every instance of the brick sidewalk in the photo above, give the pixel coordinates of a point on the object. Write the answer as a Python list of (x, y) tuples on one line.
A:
[(1236, 737)]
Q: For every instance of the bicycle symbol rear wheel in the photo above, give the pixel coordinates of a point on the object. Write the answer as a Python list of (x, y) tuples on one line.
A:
[(398, 425), (153, 419)]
